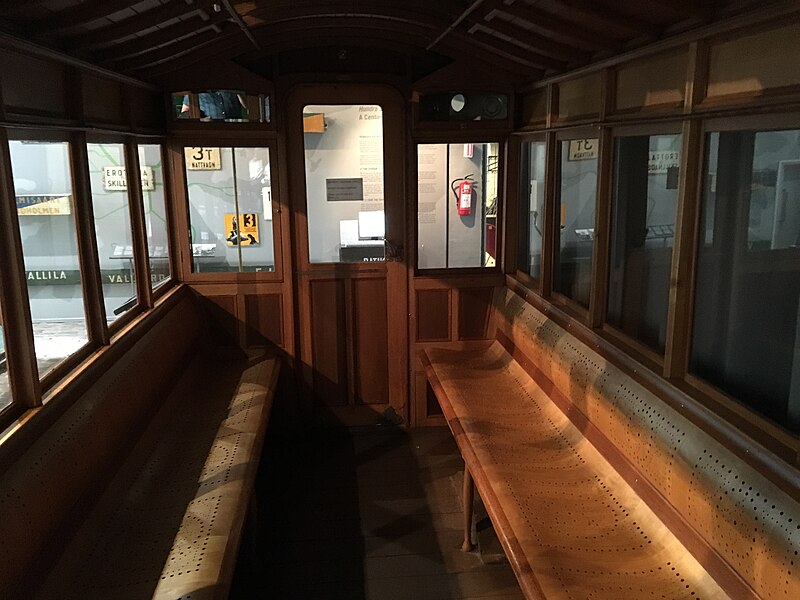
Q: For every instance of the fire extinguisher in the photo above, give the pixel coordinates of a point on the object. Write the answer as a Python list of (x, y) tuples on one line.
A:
[(462, 190)]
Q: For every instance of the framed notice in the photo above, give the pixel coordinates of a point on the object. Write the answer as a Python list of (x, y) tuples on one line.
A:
[(202, 159), (344, 189)]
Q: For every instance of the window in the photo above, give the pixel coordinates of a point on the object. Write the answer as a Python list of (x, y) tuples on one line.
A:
[(457, 205), (746, 334), (572, 272), (112, 225), (5, 390), (230, 209), (531, 202), (229, 106), (642, 235), (43, 187), (344, 182), (155, 211)]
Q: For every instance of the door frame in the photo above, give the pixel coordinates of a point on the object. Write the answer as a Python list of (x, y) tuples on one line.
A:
[(395, 268)]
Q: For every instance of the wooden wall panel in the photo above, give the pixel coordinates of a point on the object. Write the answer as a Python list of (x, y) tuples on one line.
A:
[(223, 322), (755, 63), (370, 336), (534, 107), (579, 97), (264, 319), (433, 315), (328, 343), (473, 312), (33, 85), (657, 81), (102, 100)]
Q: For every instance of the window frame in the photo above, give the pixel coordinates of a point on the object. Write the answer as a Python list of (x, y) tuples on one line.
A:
[(450, 137), (182, 210), (519, 202)]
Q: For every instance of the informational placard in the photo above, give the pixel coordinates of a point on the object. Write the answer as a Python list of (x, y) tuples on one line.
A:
[(202, 159), (44, 204), (585, 149), (344, 189), (661, 161), (115, 179), (242, 230)]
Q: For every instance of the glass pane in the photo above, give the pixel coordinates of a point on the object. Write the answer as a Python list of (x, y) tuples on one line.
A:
[(155, 211), (746, 334), (43, 188), (5, 390), (230, 206), (531, 218), (344, 182), (456, 205), (230, 106), (642, 235), (572, 274), (112, 225)]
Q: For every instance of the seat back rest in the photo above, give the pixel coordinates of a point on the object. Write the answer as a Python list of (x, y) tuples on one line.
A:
[(51, 488), (752, 524)]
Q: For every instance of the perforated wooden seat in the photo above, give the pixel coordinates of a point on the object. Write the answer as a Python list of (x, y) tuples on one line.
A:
[(571, 526), (170, 523)]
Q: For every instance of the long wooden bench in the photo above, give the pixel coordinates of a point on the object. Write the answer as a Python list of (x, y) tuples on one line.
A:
[(141, 487), (596, 487)]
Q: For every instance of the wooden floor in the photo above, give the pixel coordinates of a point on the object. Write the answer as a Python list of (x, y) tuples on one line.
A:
[(366, 514)]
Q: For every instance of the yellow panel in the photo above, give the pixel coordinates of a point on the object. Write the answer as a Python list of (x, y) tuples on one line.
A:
[(654, 81), (755, 63), (579, 97)]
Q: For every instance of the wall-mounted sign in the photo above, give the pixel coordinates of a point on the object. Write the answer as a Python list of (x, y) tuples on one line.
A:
[(107, 276), (115, 179), (662, 160), (44, 204), (241, 230), (203, 159), (344, 189), (583, 149)]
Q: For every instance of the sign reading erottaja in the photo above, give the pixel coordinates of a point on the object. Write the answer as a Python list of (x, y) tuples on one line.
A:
[(116, 180)]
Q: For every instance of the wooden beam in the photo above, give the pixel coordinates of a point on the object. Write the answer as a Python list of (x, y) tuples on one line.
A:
[(558, 29), (79, 14), (516, 53), (105, 36), (529, 40), (162, 37), (167, 53), (589, 15)]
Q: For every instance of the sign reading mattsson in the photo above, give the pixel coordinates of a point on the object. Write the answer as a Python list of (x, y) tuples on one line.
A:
[(202, 159)]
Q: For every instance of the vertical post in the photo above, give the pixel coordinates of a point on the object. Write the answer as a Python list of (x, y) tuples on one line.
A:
[(552, 217), (87, 242), (21, 355), (469, 499), (144, 288), (602, 230)]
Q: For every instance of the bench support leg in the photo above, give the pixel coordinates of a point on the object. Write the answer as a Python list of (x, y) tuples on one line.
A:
[(469, 498)]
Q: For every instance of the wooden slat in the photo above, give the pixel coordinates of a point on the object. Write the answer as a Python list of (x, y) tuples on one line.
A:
[(168, 53), (515, 53), (80, 14), (588, 14)]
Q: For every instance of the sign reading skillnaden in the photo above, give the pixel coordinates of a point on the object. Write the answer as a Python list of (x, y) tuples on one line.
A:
[(241, 230), (203, 159), (115, 179)]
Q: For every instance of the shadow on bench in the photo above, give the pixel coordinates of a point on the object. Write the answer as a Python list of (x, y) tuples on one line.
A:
[(147, 477), (595, 486)]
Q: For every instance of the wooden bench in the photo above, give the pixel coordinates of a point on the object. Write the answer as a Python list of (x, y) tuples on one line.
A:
[(141, 487), (595, 486)]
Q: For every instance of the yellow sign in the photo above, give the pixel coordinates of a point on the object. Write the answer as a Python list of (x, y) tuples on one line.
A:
[(583, 149), (241, 231), (116, 180), (47, 204), (202, 159)]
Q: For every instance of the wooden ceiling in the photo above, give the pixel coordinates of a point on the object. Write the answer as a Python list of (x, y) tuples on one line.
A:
[(520, 40)]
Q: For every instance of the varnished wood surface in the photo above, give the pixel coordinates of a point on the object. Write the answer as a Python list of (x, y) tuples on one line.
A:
[(570, 525)]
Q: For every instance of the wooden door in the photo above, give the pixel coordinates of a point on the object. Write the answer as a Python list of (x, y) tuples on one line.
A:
[(346, 162)]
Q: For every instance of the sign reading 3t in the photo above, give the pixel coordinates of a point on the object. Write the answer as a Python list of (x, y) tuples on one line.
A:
[(202, 159)]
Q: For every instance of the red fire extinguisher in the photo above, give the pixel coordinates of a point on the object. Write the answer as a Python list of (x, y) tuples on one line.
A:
[(462, 189)]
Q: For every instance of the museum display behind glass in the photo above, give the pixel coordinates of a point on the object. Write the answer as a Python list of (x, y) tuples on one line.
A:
[(456, 205), (344, 182), (230, 209), (112, 225), (155, 211), (643, 230), (531, 217), (43, 188), (746, 333), (572, 271)]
